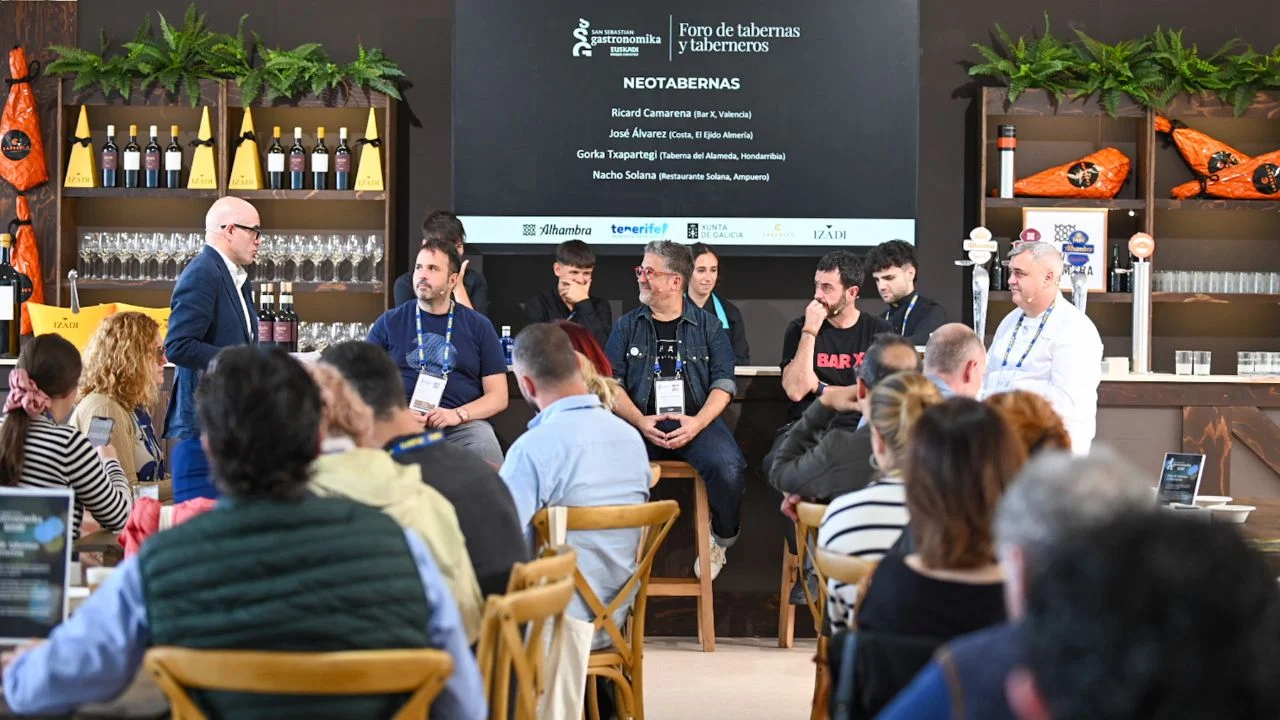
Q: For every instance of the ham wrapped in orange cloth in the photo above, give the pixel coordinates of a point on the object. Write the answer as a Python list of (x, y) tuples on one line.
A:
[(26, 259), (1255, 179), (1098, 175), (1205, 155), (148, 518), (21, 145)]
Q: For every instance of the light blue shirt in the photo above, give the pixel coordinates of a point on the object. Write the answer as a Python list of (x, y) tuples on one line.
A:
[(578, 454), (95, 654)]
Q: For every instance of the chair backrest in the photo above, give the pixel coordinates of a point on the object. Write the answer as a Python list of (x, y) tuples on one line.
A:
[(420, 672), (513, 627), (847, 569), (810, 518), (655, 520)]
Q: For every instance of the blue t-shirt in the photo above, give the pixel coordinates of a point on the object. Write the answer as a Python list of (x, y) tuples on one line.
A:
[(476, 353)]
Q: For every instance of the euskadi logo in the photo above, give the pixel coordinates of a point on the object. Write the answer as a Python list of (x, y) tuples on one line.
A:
[(650, 229), (582, 48)]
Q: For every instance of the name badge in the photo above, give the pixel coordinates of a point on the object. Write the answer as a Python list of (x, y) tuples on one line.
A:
[(427, 393), (670, 396)]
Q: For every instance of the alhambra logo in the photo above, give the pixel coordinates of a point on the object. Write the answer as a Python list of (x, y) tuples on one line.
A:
[(582, 48)]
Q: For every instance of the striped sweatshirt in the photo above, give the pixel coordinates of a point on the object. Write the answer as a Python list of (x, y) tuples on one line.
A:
[(865, 524), (60, 456)]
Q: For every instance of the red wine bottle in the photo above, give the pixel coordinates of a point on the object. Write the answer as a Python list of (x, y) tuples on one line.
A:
[(151, 160), (320, 162), (297, 162), (275, 161), (342, 162), (10, 300), (266, 317), (173, 160), (286, 326), (132, 159), (110, 159)]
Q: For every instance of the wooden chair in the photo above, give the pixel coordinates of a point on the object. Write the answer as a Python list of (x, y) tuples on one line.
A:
[(699, 587), (422, 673), (512, 632), (810, 515), (623, 663), (841, 568)]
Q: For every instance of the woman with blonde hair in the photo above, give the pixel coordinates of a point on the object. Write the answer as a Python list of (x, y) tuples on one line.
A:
[(123, 374), (1032, 419), (596, 370)]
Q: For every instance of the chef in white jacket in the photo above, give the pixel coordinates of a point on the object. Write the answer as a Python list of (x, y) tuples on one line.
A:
[(1046, 345)]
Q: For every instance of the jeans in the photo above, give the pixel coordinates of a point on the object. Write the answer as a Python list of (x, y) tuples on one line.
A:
[(478, 437), (715, 455), (191, 473)]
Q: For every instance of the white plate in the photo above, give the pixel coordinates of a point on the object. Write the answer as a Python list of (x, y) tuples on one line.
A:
[(1211, 500)]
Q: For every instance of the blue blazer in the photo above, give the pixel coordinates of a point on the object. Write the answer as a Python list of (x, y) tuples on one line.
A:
[(205, 316)]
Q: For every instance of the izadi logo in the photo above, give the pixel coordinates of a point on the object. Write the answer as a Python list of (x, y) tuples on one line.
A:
[(582, 48), (828, 233), (15, 145)]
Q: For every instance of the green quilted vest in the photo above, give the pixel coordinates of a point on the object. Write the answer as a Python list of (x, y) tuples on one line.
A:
[(318, 574)]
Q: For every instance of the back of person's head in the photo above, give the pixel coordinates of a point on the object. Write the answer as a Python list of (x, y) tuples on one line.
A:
[(346, 415), (961, 455), (443, 225), (446, 248), (1032, 419), (850, 266), (575, 253), (260, 414), (584, 342), (48, 367), (120, 360), (889, 353), (1151, 616), (544, 354), (891, 254), (950, 348), (372, 373), (897, 402)]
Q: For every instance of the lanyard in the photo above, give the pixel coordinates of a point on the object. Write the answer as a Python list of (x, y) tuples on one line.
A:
[(905, 316), (657, 367), (1044, 319), (724, 319), (143, 419), (415, 442), (448, 346)]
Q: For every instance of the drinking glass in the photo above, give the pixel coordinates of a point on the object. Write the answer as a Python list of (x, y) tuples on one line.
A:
[(194, 244), (130, 250), (1182, 281), (337, 248), (1203, 362), (1199, 281), (1260, 283), (1273, 283), (1273, 362), (1182, 362), (374, 249), (89, 244), (355, 253), (151, 250), (1231, 283), (317, 251), (1215, 282), (1244, 363), (297, 255)]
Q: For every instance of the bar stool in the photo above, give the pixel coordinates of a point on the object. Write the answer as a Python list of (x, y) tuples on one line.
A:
[(699, 588)]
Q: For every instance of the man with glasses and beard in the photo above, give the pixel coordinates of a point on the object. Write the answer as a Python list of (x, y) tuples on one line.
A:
[(676, 364)]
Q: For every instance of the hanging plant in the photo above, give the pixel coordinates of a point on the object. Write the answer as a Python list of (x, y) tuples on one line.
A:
[(111, 76), (1045, 62)]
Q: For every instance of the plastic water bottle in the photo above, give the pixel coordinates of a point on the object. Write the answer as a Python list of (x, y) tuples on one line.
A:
[(508, 343)]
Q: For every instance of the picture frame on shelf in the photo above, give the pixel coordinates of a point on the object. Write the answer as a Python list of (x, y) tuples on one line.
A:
[(1061, 226)]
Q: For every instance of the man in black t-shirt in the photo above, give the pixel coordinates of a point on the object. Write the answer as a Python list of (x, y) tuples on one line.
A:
[(571, 299), (892, 265)]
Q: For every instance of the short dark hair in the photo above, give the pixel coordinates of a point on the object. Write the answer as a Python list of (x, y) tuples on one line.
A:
[(545, 352), (675, 256), (698, 249), (894, 253), (372, 372), (443, 225), (873, 369), (447, 249), (260, 413), (1152, 615), (961, 455), (575, 253), (849, 265)]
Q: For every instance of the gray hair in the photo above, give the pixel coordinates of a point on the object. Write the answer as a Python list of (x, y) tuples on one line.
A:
[(675, 256), (949, 348), (1057, 494), (1045, 253)]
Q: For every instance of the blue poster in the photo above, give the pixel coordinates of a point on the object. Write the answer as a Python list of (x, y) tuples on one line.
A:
[(35, 553)]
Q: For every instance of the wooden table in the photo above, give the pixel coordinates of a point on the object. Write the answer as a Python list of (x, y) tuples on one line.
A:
[(1263, 528)]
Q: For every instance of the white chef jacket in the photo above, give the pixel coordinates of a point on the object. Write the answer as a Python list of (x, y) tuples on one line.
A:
[(1064, 365)]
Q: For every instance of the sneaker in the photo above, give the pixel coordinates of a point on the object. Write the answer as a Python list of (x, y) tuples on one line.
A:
[(718, 561), (797, 589)]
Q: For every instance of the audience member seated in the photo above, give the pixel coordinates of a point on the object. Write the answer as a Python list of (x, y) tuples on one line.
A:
[(1153, 616), (955, 360), (1032, 419), (892, 265), (960, 458), (702, 285), (576, 453), (454, 372), (486, 513), (1054, 496), (597, 372), (571, 299), (473, 290), (351, 467), (325, 574), (866, 523), (123, 374), (150, 516), (38, 451)]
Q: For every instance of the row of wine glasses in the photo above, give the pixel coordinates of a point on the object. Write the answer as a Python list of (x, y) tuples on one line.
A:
[(316, 336), (128, 255)]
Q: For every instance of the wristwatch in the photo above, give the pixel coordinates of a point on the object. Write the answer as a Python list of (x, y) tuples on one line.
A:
[(463, 415)]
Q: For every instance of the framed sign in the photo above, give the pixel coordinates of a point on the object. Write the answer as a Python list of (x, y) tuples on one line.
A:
[(1075, 231), (1180, 478), (35, 555)]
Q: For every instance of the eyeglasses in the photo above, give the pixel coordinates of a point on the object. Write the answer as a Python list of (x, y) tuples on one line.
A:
[(647, 273), (160, 354), (255, 229)]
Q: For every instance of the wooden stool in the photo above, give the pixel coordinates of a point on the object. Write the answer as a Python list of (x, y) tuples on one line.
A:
[(687, 586)]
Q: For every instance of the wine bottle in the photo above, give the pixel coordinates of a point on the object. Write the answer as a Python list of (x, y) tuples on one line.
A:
[(173, 160), (997, 275), (320, 162), (151, 160), (342, 162), (132, 159), (266, 317), (1115, 279), (275, 161), (297, 162), (110, 159), (286, 321), (293, 322), (10, 300)]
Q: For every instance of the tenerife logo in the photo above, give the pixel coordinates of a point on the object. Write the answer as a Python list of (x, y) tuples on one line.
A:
[(828, 233), (650, 229), (582, 48)]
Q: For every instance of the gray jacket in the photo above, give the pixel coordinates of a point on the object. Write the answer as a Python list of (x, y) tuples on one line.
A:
[(818, 462)]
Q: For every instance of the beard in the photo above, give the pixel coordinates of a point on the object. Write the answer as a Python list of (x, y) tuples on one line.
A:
[(834, 310), (646, 295)]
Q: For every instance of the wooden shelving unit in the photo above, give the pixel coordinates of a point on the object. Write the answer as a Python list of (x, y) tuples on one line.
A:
[(1168, 297)]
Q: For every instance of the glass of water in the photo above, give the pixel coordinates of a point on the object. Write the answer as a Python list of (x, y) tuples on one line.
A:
[(1183, 361), (1203, 362)]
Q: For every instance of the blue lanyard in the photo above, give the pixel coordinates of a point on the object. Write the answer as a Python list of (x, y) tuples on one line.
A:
[(448, 346), (657, 367), (1044, 319), (724, 319), (905, 316), (418, 441), (152, 444)]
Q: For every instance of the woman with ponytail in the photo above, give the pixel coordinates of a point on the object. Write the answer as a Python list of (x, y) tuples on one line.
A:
[(38, 451)]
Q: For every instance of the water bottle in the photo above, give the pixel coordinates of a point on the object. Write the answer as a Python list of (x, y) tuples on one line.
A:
[(507, 342)]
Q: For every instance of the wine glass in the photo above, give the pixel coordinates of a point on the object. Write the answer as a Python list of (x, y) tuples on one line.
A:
[(337, 253), (89, 244), (195, 243), (151, 251), (129, 250), (317, 250), (297, 254), (108, 250), (374, 249), (355, 253), (166, 250)]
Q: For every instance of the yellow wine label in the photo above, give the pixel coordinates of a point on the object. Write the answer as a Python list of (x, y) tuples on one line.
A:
[(204, 168), (82, 167), (369, 172), (246, 167)]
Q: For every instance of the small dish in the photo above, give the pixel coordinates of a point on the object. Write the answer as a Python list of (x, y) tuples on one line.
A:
[(1211, 500), (1231, 513)]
